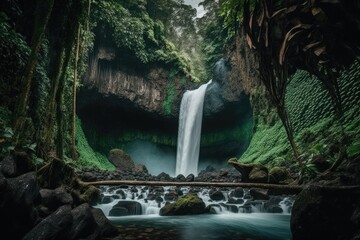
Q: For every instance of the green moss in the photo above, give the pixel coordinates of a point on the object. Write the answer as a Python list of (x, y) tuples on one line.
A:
[(189, 199), (88, 157), (266, 144), (184, 205), (170, 94)]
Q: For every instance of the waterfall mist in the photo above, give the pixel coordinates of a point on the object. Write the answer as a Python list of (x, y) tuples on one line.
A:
[(190, 121), (155, 157)]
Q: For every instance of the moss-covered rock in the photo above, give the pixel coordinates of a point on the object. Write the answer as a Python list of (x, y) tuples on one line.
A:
[(185, 205), (121, 160), (253, 172), (279, 175)]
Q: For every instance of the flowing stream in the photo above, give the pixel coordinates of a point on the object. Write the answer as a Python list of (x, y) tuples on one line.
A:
[(136, 212), (190, 120)]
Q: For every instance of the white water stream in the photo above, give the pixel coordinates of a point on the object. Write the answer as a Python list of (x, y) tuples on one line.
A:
[(190, 120), (147, 204)]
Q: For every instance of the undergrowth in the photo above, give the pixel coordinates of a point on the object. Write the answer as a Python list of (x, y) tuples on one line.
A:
[(87, 156)]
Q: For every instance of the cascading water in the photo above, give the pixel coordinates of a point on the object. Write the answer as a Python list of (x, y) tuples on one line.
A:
[(135, 210), (190, 119), (149, 200)]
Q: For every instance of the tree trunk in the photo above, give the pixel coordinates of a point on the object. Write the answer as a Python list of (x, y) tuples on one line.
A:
[(60, 106), (44, 144), (73, 131), (289, 132), (42, 13), (63, 41)]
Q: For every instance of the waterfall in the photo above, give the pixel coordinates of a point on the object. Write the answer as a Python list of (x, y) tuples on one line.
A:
[(190, 119)]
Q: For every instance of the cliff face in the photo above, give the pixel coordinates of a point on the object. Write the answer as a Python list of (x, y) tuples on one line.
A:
[(244, 77), (143, 88)]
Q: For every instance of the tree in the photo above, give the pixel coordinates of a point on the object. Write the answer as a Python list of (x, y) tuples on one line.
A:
[(76, 60), (42, 15), (319, 36), (62, 39)]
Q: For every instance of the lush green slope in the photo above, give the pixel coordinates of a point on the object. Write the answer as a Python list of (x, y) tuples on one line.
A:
[(312, 115)]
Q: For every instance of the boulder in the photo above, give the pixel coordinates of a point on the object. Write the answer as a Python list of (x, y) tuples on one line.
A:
[(278, 175), (17, 164), (121, 193), (121, 160), (18, 199), (272, 205), (253, 172), (107, 199), (259, 174), (107, 230), (89, 194), (190, 178), (131, 207), (274, 209), (83, 224), (56, 226), (140, 169), (259, 194), (53, 199), (237, 192), (8, 167), (185, 205), (326, 213), (159, 199), (180, 178), (89, 177), (164, 177), (118, 211), (216, 195), (171, 196), (213, 208)]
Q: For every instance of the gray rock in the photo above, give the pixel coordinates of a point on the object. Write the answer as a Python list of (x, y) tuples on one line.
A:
[(106, 228), (107, 199), (171, 196), (216, 195), (118, 211), (83, 224), (17, 200), (55, 198), (8, 167), (164, 177), (55, 226), (259, 194), (190, 178), (132, 207), (121, 160), (180, 178), (238, 192)]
